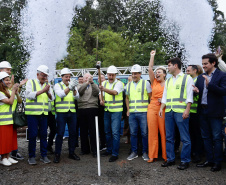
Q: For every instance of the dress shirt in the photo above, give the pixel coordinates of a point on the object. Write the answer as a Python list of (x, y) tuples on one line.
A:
[(189, 89), (59, 92), (31, 95), (205, 89)]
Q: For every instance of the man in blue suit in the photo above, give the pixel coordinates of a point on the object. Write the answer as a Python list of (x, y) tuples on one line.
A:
[(211, 88)]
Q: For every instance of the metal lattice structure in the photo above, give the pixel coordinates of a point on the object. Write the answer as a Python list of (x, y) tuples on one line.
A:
[(123, 71)]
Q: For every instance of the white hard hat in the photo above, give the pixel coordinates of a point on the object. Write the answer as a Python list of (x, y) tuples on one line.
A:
[(136, 68), (112, 69), (5, 64), (3, 75), (65, 71), (43, 69), (160, 67)]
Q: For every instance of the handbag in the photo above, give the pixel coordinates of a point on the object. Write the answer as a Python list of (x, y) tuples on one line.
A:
[(19, 117)]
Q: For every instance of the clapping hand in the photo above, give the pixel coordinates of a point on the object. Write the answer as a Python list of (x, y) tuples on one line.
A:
[(23, 82), (15, 87), (206, 79), (46, 88)]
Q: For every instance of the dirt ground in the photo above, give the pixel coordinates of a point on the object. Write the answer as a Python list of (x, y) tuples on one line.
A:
[(84, 171)]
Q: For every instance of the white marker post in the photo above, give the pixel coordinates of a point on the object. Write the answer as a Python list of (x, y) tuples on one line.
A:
[(98, 146)]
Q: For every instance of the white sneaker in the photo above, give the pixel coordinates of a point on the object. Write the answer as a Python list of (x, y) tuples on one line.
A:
[(11, 160), (5, 162)]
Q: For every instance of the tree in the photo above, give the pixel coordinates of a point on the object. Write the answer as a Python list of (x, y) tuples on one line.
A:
[(11, 48)]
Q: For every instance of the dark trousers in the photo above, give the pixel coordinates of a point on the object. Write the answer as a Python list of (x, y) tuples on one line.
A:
[(52, 127), (197, 146), (37, 123), (211, 130), (71, 119), (88, 129), (101, 126)]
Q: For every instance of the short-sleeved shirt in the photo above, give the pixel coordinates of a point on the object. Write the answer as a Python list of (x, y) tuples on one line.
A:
[(3, 96)]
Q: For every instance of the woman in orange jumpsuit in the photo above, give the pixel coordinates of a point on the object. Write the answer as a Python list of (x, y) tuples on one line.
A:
[(155, 123)]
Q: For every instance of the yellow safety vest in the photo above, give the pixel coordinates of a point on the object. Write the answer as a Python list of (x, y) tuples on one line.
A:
[(40, 104), (113, 103), (6, 114), (176, 94), (194, 105), (138, 98), (53, 111), (67, 103), (14, 102)]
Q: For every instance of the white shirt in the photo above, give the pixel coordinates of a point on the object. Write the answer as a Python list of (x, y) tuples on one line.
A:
[(118, 86), (31, 95), (221, 65), (3, 96), (189, 89), (59, 92)]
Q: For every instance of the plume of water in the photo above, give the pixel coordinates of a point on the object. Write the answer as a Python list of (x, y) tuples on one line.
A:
[(45, 27), (192, 23)]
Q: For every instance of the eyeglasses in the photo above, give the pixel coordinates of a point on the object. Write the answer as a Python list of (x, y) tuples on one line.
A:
[(43, 75)]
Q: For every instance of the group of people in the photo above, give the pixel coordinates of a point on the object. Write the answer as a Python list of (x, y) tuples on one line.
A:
[(189, 105)]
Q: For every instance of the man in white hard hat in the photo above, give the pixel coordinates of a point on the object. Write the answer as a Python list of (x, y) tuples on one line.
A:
[(66, 92), (5, 66), (137, 98), (113, 101), (38, 93)]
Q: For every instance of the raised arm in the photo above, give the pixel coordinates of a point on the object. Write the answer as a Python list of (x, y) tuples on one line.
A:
[(151, 64)]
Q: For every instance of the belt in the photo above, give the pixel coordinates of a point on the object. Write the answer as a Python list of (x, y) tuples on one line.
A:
[(204, 106)]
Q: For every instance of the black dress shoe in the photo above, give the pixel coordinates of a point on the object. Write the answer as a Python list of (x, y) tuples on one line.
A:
[(113, 158), (168, 163), (56, 158), (74, 156), (104, 154), (205, 164), (216, 167), (183, 166)]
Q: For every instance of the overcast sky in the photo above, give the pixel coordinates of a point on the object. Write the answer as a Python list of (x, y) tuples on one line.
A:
[(222, 6)]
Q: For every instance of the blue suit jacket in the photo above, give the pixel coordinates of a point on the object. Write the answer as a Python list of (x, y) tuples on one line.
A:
[(216, 92)]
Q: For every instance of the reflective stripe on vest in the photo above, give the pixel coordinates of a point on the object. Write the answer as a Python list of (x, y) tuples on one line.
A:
[(138, 100), (113, 103), (6, 114), (65, 104), (194, 105), (40, 104), (175, 98)]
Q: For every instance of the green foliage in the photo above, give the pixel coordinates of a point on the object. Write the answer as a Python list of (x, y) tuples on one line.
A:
[(11, 48), (114, 49), (127, 31)]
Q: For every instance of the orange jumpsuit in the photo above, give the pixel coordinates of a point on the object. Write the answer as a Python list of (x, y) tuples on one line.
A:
[(155, 123)]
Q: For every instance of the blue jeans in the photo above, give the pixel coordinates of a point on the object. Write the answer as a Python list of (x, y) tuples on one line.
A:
[(211, 130), (71, 119), (112, 125), (171, 120), (37, 124), (138, 119)]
